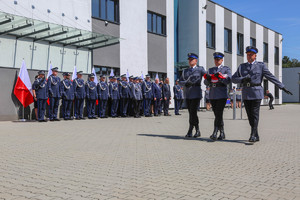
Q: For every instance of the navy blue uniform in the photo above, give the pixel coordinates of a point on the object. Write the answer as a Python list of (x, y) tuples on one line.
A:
[(166, 92), (53, 85), (157, 94), (91, 96), (79, 92), (103, 95), (115, 97), (41, 90), (147, 95), (124, 90), (177, 97), (67, 94)]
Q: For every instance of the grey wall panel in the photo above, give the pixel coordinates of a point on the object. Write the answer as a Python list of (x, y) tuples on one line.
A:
[(228, 60), (157, 53), (228, 19), (210, 12), (290, 78), (276, 40), (266, 35), (209, 59), (240, 24), (240, 60), (252, 29), (158, 6), (110, 55)]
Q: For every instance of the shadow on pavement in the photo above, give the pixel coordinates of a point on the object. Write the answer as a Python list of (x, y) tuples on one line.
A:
[(176, 137)]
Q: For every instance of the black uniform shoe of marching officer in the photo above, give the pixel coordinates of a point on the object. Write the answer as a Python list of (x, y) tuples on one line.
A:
[(197, 134), (222, 134), (82, 118), (256, 136), (190, 131), (253, 135), (214, 134)]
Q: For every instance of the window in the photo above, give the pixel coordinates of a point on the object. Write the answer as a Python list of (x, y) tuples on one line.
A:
[(106, 70), (276, 92), (276, 56), (210, 35), (106, 10), (156, 23), (227, 40), (266, 54), (253, 42), (240, 44)]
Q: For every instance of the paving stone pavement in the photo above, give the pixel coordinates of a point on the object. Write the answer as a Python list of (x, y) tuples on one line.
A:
[(149, 158)]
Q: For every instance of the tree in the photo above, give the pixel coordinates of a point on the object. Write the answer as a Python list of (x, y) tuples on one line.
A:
[(287, 62)]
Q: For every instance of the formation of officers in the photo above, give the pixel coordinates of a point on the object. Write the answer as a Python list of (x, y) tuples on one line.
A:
[(249, 76), (116, 97)]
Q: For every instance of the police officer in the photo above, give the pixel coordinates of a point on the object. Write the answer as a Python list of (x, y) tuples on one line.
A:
[(130, 110), (124, 90), (41, 95), (53, 84), (103, 95), (137, 97), (147, 95), (269, 95), (166, 91), (115, 97), (91, 96), (67, 94), (250, 75), (157, 96), (142, 107), (191, 79), (177, 96), (79, 93), (217, 78)]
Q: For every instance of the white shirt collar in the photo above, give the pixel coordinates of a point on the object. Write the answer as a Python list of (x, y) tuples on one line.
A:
[(220, 66), (252, 62), (194, 66)]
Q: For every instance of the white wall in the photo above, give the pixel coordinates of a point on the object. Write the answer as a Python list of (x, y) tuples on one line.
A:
[(220, 29), (71, 9), (202, 33), (234, 42), (280, 66), (246, 35), (260, 42), (271, 61)]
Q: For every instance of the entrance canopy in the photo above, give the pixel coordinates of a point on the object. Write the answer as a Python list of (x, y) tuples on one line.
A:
[(37, 30)]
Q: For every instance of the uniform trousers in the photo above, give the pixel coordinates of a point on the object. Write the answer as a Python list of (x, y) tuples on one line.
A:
[(67, 107), (166, 106), (102, 108), (192, 105), (218, 106), (41, 108), (252, 108), (53, 107), (177, 105), (157, 106), (136, 107), (271, 104), (79, 108)]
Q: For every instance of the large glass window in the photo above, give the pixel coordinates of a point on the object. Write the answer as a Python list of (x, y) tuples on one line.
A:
[(276, 56), (227, 40), (240, 44), (106, 9), (156, 23), (266, 53), (210, 35), (253, 42)]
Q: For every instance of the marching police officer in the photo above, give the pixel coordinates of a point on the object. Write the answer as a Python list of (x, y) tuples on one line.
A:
[(191, 79), (177, 96), (157, 96), (148, 95), (166, 92), (67, 94), (103, 94), (137, 97), (217, 78), (79, 93), (124, 90), (91, 96), (41, 95), (53, 85), (115, 96), (250, 75)]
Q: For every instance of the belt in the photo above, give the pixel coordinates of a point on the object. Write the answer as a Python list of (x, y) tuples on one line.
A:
[(217, 85), (251, 84)]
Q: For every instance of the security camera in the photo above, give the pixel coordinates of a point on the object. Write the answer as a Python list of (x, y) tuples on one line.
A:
[(106, 23)]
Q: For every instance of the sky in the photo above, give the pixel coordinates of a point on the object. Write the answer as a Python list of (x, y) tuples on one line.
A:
[(282, 16)]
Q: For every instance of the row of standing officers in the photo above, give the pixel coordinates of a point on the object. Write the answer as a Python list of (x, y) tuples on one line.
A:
[(117, 97)]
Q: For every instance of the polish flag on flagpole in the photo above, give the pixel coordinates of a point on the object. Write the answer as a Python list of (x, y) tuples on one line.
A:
[(127, 75), (74, 75), (112, 72), (23, 87), (95, 81), (49, 70)]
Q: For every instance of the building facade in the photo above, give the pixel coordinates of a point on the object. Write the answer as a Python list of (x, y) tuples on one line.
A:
[(291, 79)]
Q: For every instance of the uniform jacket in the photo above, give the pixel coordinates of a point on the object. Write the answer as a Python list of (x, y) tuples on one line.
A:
[(79, 88), (114, 91), (41, 89), (91, 90), (147, 90), (53, 84), (166, 91), (130, 89), (177, 92), (157, 92), (124, 89), (67, 89), (256, 72), (219, 92), (103, 91), (193, 76), (136, 91)]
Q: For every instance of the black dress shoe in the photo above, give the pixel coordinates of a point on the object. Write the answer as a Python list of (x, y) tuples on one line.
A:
[(51, 120), (197, 134), (77, 118), (95, 117), (190, 131), (56, 119), (215, 133), (256, 136), (222, 134), (90, 117), (82, 118), (253, 135)]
